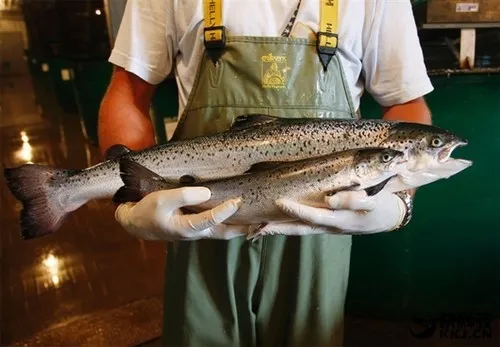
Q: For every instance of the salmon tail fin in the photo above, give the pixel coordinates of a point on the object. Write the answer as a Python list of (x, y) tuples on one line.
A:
[(138, 182), (37, 187)]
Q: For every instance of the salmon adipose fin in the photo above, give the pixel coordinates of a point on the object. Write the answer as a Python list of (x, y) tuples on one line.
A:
[(138, 182), (38, 187)]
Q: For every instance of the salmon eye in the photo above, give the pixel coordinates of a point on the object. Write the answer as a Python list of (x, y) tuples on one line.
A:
[(437, 142), (386, 157)]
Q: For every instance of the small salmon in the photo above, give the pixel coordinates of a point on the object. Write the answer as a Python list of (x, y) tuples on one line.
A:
[(305, 181)]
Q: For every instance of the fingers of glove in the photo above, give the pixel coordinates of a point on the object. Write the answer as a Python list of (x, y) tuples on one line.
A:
[(352, 200), (351, 221), (175, 198), (203, 220), (314, 215), (377, 220), (123, 216)]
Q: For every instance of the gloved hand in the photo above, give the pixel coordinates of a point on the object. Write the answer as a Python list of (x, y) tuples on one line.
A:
[(352, 212), (158, 217)]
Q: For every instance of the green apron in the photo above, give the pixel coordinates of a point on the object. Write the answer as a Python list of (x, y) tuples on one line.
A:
[(278, 291)]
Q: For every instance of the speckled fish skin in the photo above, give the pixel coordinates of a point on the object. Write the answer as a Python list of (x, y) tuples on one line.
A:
[(49, 194), (306, 181), (233, 153)]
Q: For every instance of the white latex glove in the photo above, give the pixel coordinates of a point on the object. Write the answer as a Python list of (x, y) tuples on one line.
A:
[(352, 212), (158, 217)]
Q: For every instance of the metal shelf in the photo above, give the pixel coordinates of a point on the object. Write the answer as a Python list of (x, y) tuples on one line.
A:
[(478, 25), (467, 50)]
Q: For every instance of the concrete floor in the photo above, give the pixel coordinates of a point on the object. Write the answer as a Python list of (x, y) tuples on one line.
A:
[(90, 283)]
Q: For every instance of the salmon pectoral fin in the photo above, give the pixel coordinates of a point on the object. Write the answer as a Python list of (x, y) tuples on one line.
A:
[(376, 188), (257, 233), (138, 182)]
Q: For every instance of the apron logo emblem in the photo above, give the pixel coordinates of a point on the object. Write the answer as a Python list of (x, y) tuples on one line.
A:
[(273, 71)]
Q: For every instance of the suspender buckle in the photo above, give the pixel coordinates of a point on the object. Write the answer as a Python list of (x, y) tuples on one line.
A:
[(214, 39), (326, 45)]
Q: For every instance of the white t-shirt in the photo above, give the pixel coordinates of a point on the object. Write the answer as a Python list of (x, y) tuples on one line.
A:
[(378, 43)]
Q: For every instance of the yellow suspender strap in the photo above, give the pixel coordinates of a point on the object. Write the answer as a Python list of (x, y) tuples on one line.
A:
[(327, 37), (214, 33)]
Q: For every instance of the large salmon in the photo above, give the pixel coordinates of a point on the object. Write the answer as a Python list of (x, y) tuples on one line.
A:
[(49, 194)]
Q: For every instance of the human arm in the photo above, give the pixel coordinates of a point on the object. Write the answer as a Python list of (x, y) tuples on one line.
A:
[(124, 112), (142, 55), (382, 212), (415, 111), (124, 119), (395, 75)]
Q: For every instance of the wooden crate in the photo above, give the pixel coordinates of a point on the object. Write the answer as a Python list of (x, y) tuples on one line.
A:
[(463, 11)]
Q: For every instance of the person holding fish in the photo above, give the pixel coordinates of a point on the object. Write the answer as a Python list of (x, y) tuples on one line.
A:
[(286, 59)]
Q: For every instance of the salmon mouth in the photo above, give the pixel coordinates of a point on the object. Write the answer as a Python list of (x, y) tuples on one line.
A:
[(445, 154)]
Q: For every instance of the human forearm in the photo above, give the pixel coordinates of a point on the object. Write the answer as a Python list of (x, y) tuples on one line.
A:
[(413, 111), (124, 113), (131, 129)]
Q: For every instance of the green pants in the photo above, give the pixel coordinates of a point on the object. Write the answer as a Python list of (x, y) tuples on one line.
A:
[(278, 291)]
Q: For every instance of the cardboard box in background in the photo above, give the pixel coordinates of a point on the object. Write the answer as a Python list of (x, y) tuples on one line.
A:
[(463, 11)]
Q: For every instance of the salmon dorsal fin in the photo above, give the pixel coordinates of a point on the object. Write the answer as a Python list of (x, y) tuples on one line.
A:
[(251, 120)]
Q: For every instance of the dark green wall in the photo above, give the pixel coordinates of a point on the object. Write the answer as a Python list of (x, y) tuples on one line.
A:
[(83, 93), (90, 81), (448, 258)]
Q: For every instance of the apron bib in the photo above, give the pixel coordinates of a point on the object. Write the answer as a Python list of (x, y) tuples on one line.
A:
[(279, 290), (277, 76)]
